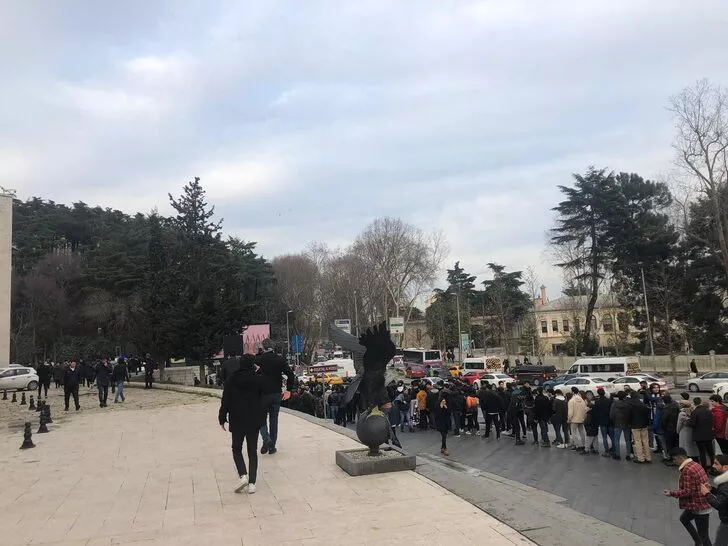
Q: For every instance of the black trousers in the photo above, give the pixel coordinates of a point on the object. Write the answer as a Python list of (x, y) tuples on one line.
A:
[(700, 535), (44, 385), (706, 449), (251, 439), (103, 394), (723, 443), (68, 392), (148, 379), (443, 435), (492, 419)]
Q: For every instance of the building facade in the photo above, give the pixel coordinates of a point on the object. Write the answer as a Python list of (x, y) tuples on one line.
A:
[(556, 320)]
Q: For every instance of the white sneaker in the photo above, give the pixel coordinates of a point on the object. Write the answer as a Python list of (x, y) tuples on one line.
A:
[(251, 488), (242, 482)]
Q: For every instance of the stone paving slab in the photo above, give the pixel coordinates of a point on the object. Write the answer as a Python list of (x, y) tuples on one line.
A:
[(165, 476)]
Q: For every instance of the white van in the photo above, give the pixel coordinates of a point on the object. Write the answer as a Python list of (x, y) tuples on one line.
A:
[(492, 364), (608, 368)]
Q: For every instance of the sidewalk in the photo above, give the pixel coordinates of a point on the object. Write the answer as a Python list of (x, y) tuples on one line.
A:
[(165, 476)]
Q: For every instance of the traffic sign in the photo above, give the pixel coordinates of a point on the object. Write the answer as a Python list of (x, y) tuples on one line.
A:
[(396, 325), (343, 324), (297, 344)]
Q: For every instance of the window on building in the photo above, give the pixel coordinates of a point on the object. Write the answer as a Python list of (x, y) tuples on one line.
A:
[(418, 335), (544, 327), (608, 323), (623, 322), (555, 325), (566, 325), (594, 324)]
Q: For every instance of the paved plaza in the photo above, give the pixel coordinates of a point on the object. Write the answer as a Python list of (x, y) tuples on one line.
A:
[(164, 475)]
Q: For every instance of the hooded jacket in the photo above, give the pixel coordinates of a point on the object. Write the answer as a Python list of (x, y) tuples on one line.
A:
[(577, 410), (561, 412), (242, 402), (600, 411), (619, 414), (718, 497), (639, 414)]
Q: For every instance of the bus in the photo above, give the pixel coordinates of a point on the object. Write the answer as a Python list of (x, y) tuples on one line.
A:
[(421, 360), (606, 367)]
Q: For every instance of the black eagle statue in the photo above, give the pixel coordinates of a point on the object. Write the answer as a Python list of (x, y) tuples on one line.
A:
[(371, 353)]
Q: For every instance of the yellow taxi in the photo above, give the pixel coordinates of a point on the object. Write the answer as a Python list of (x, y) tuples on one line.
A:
[(330, 379), (455, 371)]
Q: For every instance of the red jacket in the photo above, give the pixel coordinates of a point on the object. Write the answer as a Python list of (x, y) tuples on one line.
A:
[(688, 490), (720, 416)]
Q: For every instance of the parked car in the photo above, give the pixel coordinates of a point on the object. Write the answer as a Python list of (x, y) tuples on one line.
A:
[(588, 384), (493, 379), (414, 372), (721, 389), (535, 375), (706, 381), (471, 376), (560, 379), (633, 382), (18, 378)]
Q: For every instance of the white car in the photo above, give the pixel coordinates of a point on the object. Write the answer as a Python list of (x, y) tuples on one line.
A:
[(633, 382), (588, 384), (17, 378), (493, 379), (706, 381), (721, 389)]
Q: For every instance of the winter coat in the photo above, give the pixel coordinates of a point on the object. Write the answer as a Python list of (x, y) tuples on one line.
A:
[(577, 410), (58, 373), (443, 417), (688, 491), (720, 417), (543, 408), (456, 402), (701, 421), (639, 414), (619, 414), (44, 372), (490, 402), (685, 434), (273, 367), (228, 369), (242, 401), (600, 412), (72, 377), (718, 497), (669, 417), (560, 411), (120, 372), (422, 400), (103, 374)]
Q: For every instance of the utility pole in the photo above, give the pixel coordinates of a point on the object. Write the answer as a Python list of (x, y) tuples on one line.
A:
[(647, 311), (356, 314), (460, 337), (288, 337)]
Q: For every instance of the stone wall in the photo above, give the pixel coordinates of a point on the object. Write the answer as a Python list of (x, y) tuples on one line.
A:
[(706, 363), (180, 375)]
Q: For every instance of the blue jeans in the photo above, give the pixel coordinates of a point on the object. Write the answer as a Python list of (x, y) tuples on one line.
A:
[(606, 433), (544, 427), (119, 391), (404, 419), (558, 427), (627, 440), (272, 407)]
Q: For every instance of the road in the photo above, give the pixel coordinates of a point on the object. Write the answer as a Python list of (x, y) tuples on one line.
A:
[(624, 494)]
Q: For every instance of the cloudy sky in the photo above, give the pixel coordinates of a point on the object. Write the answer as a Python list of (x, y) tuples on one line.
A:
[(308, 119)]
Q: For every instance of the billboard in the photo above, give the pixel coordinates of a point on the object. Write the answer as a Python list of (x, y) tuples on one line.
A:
[(253, 336), (343, 324)]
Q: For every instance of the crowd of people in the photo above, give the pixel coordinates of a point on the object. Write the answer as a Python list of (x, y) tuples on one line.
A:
[(103, 374)]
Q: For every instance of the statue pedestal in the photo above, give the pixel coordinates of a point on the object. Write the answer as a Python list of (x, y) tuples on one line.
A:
[(358, 462)]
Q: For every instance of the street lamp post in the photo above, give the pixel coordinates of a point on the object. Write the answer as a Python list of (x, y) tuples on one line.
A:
[(647, 312), (460, 337), (288, 336)]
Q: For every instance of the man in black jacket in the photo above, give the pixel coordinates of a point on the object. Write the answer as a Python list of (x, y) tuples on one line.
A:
[(600, 416), (71, 381), (119, 375), (718, 498), (228, 368), (492, 405), (103, 380), (273, 367), (639, 420), (701, 421), (542, 412), (44, 377)]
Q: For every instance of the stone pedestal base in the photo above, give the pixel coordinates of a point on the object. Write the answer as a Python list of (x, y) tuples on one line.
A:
[(357, 462)]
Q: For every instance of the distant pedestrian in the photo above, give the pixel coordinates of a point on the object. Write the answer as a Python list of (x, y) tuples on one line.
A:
[(690, 497), (44, 371), (71, 382), (57, 375), (543, 412), (242, 406), (443, 418), (119, 375), (559, 419), (693, 368), (701, 421), (639, 419), (600, 414), (576, 418), (103, 380), (619, 415), (149, 367)]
